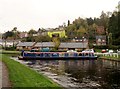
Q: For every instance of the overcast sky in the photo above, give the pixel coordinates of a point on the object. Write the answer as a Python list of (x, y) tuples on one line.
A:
[(28, 14)]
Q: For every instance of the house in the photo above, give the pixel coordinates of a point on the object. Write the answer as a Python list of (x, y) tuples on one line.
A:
[(101, 40), (79, 40), (25, 45), (40, 45), (100, 30), (73, 45), (63, 45), (57, 33), (8, 43), (51, 45), (23, 34)]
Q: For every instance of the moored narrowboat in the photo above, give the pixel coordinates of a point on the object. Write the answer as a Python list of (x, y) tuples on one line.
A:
[(56, 55)]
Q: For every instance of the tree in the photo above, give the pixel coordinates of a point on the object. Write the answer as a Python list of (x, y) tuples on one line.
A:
[(68, 22), (42, 38), (104, 18), (81, 32), (32, 31), (92, 31), (31, 37), (90, 21), (110, 38), (56, 42), (7, 34), (73, 29), (15, 34), (39, 30), (114, 27), (14, 29)]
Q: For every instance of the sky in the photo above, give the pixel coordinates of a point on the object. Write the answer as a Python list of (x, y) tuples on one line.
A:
[(34, 14)]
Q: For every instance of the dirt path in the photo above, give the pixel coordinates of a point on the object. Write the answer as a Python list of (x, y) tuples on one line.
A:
[(4, 77)]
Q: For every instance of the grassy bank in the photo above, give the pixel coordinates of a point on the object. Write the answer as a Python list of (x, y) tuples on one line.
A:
[(111, 58), (22, 76), (9, 52)]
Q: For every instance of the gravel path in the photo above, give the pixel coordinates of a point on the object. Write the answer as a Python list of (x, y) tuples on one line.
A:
[(4, 77)]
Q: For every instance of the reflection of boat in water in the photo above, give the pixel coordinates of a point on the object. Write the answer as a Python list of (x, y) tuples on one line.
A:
[(57, 55)]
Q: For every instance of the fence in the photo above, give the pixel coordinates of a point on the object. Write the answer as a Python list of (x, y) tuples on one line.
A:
[(108, 54)]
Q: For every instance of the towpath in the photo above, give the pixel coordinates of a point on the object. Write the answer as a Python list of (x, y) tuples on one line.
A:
[(4, 76)]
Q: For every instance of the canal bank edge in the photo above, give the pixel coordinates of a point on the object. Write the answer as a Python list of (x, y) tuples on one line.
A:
[(4, 75), (111, 59), (22, 79)]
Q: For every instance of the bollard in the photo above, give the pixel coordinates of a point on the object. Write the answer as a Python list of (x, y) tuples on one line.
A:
[(110, 55), (117, 55)]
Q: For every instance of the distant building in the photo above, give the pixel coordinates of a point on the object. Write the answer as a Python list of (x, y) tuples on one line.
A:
[(73, 45), (100, 30), (35, 34), (40, 45), (23, 34), (100, 40), (25, 45), (57, 33), (8, 43), (79, 40), (63, 45), (42, 33)]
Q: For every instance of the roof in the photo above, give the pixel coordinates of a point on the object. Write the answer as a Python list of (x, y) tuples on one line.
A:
[(51, 44), (25, 44), (73, 45), (100, 37), (63, 45), (44, 44)]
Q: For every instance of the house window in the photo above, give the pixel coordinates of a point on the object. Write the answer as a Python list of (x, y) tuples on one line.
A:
[(55, 35), (99, 40)]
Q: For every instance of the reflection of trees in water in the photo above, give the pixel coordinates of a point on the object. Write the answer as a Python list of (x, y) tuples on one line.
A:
[(82, 69), (107, 75), (111, 78)]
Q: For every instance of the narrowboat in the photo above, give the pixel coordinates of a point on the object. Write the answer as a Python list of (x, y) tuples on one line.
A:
[(57, 55)]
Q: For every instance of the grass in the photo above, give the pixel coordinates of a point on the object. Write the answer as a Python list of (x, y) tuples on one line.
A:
[(98, 50), (113, 58), (9, 52), (22, 76)]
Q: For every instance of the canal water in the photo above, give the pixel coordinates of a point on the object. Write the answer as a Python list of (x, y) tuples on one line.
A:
[(80, 74), (88, 74)]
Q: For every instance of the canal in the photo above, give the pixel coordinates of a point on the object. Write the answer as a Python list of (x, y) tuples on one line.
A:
[(81, 74), (88, 74)]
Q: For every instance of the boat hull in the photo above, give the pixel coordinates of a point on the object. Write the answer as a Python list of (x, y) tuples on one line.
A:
[(58, 58)]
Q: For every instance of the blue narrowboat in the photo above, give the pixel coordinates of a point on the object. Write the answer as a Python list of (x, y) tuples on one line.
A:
[(56, 55)]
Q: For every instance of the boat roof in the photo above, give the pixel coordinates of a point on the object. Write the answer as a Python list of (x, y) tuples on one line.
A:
[(26, 44)]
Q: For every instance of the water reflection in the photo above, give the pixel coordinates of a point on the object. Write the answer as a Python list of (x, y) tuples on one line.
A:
[(103, 72)]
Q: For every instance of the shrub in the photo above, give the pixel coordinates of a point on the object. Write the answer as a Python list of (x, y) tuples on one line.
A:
[(113, 47), (101, 47), (9, 48)]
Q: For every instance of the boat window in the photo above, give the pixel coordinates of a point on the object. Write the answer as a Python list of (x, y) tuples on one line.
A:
[(47, 54), (70, 54), (80, 54), (34, 50), (30, 54), (37, 54), (83, 54), (41, 54), (66, 54), (87, 54), (55, 54), (92, 54), (75, 54)]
